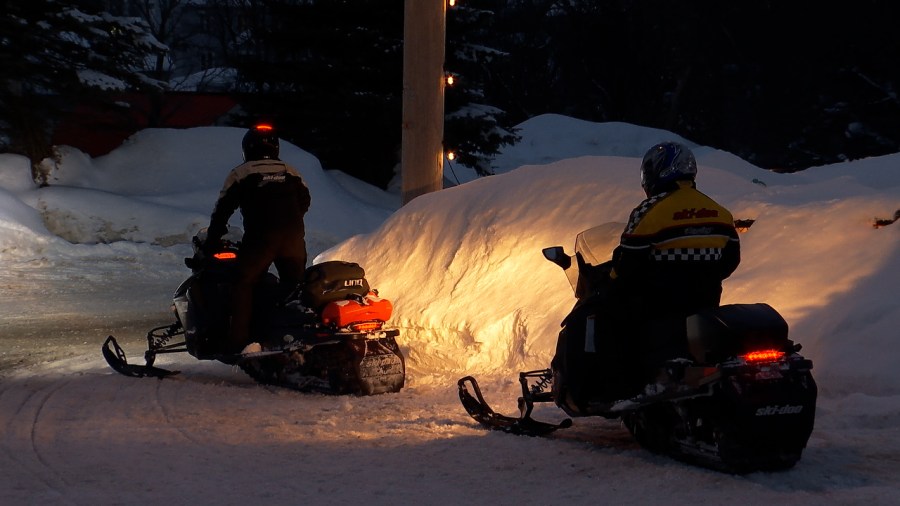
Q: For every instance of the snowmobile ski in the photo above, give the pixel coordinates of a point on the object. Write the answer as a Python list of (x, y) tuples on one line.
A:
[(115, 357), (523, 425)]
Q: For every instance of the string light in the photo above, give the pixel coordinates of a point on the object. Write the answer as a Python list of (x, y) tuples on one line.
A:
[(450, 155), (449, 79)]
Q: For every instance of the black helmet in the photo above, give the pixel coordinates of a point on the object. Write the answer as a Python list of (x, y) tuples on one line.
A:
[(664, 163), (260, 143)]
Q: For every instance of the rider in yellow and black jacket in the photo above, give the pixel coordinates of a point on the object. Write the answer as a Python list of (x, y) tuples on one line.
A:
[(675, 251), (678, 247)]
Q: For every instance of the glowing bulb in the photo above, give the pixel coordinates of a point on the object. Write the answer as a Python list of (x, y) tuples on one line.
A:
[(451, 155), (449, 80), (451, 3)]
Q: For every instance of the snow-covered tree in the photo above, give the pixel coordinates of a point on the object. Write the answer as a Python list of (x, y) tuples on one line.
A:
[(56, 51), (474, 129)]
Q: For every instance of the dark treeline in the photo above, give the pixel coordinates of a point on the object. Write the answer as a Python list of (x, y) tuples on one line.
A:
[(785, 85), (329, 74)]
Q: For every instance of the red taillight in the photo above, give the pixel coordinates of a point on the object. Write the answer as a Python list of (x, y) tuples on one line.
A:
[(225, 255), (763, 356), (365, 326), (262, 127)]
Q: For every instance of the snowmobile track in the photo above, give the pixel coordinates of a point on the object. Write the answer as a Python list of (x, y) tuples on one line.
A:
[(22, 435)]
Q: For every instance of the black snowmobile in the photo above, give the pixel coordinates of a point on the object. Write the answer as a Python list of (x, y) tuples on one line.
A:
[(740, 399), (328, 336)]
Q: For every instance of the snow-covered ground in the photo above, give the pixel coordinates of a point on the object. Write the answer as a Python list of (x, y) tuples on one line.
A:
[(100, 251)]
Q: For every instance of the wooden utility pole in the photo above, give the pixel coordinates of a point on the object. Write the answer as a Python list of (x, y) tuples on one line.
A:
[(422, 152)]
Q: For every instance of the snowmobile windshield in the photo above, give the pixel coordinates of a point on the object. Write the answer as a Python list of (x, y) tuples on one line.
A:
[(596, 244)]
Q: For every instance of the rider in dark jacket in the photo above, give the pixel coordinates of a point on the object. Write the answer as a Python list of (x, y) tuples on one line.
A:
[(273, 200), (677, 248)]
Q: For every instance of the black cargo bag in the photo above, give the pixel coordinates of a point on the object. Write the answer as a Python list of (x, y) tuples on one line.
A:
[(331, 281)]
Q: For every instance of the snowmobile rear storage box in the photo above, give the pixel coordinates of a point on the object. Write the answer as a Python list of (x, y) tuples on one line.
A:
[(331, 281), (342, 313), (714, 334)]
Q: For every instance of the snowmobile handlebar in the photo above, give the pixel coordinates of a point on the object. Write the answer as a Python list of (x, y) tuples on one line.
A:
[(205, 252)]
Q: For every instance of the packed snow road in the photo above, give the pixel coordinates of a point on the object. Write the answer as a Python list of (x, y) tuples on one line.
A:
[(55, 307), (74, 432)]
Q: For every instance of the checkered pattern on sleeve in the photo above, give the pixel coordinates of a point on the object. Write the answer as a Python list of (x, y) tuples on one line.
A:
[(641, 210), (686, 254)]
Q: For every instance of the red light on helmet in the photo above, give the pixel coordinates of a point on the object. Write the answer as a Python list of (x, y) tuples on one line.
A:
[(225, 255), (263, 128), (763, 356)]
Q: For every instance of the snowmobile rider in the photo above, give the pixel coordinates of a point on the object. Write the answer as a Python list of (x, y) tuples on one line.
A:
[(273, 200), (677, 248)]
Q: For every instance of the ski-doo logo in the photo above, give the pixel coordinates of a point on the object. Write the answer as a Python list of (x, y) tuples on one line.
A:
[(271, 178), (787, 409), (353, 282)]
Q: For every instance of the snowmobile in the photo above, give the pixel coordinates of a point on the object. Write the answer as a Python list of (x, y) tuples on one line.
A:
[(739, 398), (328, 335)]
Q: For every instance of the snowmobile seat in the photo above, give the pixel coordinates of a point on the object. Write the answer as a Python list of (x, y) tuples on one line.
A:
[(718, 333)]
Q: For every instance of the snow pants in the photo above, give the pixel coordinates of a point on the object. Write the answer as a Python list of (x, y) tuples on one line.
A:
[(287, 250)]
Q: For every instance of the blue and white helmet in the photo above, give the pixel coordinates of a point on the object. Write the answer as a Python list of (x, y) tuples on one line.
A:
[(666, 162)]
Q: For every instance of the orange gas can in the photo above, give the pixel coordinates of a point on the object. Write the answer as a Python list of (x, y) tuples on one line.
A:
[(342, 313)]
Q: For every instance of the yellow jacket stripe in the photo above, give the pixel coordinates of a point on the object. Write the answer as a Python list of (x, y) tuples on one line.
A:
[(685, 220)]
